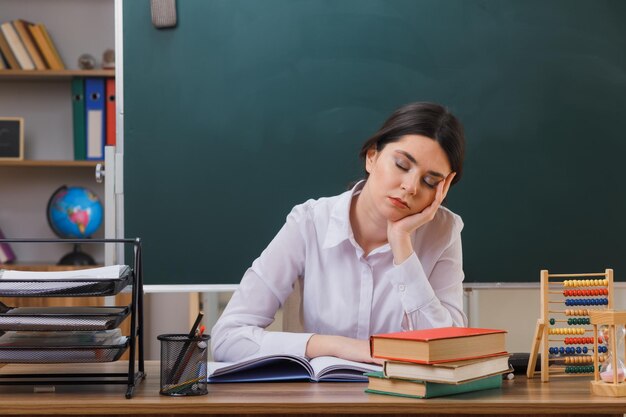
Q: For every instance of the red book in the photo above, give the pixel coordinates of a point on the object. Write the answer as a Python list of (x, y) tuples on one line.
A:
[(110, 111), (443, 344)]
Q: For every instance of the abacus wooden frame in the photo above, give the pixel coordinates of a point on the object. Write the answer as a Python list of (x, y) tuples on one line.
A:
[(542, 328)]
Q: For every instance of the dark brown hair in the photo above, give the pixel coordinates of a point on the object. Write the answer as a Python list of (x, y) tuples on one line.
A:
[(425, 119)]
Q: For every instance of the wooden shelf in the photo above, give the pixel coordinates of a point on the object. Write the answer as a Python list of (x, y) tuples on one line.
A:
[(50, 164), (53, 75)]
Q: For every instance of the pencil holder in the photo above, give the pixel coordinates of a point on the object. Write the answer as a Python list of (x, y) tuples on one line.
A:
[(183, 364)]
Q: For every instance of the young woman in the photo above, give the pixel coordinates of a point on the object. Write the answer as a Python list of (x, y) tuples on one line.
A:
[(382, 257)]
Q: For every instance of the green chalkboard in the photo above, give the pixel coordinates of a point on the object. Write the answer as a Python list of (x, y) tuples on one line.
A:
[(249, 107)]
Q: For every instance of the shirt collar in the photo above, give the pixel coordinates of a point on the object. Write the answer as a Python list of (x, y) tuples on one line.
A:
[(339, 227)]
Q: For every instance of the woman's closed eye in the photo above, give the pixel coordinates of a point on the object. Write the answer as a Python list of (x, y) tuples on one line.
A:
[(431, 181), (403, 165)]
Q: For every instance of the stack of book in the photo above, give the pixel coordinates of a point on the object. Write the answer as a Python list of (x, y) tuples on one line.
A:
[(27, 46), (436, 362)]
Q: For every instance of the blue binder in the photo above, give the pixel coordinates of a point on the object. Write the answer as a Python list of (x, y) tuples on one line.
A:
[(95, 117)]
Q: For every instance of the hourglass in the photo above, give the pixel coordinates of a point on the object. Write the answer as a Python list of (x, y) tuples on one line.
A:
[(608, 379)]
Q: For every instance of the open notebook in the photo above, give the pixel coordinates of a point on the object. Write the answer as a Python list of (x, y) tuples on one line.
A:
[(290, 368)]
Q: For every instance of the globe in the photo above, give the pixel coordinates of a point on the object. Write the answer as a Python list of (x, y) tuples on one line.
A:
[(74, 213)]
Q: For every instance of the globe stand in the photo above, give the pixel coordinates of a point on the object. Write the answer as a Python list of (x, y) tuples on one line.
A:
[(77, 257)]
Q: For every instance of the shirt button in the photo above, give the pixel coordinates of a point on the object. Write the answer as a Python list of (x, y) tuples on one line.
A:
[(401, 287)]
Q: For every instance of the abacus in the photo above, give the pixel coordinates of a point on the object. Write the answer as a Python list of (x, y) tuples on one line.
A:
[(568, 339)]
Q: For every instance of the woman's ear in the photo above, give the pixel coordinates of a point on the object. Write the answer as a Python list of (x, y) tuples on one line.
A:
[(370, 159)]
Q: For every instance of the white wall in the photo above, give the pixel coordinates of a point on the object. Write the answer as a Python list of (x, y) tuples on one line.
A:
[(513, 309)]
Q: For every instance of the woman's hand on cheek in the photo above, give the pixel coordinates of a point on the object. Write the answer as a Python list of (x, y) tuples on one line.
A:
[(399, 232)]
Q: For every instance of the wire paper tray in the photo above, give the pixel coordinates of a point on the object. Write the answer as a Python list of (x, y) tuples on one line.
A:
[(63, 288), (62, 335), (62, 354), (61, 318)]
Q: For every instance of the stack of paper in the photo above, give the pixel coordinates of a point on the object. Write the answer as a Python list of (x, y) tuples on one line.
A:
[(57, 282), (105, 272)]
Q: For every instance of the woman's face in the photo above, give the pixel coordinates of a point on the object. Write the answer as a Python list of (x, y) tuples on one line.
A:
[(404, 175)]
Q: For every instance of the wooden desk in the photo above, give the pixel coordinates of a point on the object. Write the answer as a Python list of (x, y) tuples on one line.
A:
[(564, 396)]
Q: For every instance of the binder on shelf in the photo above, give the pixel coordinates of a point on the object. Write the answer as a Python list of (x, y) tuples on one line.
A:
[(95, 118), (110, 111), (7, 53), (21, 27), (78, 118), (18, 49)]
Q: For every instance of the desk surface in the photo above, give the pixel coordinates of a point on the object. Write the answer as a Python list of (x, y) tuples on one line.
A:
[(520, 396)]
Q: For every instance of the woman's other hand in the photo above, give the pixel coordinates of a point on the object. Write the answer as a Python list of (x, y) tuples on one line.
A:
[(341, 347)]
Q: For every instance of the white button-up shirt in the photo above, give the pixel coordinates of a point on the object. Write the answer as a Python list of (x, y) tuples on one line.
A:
[(344, 292)]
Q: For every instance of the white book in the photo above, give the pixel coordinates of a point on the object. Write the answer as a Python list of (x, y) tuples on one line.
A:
[(16, 45), (456, 372)]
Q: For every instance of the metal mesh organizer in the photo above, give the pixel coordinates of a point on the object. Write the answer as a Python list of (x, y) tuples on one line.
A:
[(61, 318), (183, 364), (64, 288), (62, 354), (87, 324)]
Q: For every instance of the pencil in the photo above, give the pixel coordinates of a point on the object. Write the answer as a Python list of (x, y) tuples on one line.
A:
[(178, 369), (178, 387)]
